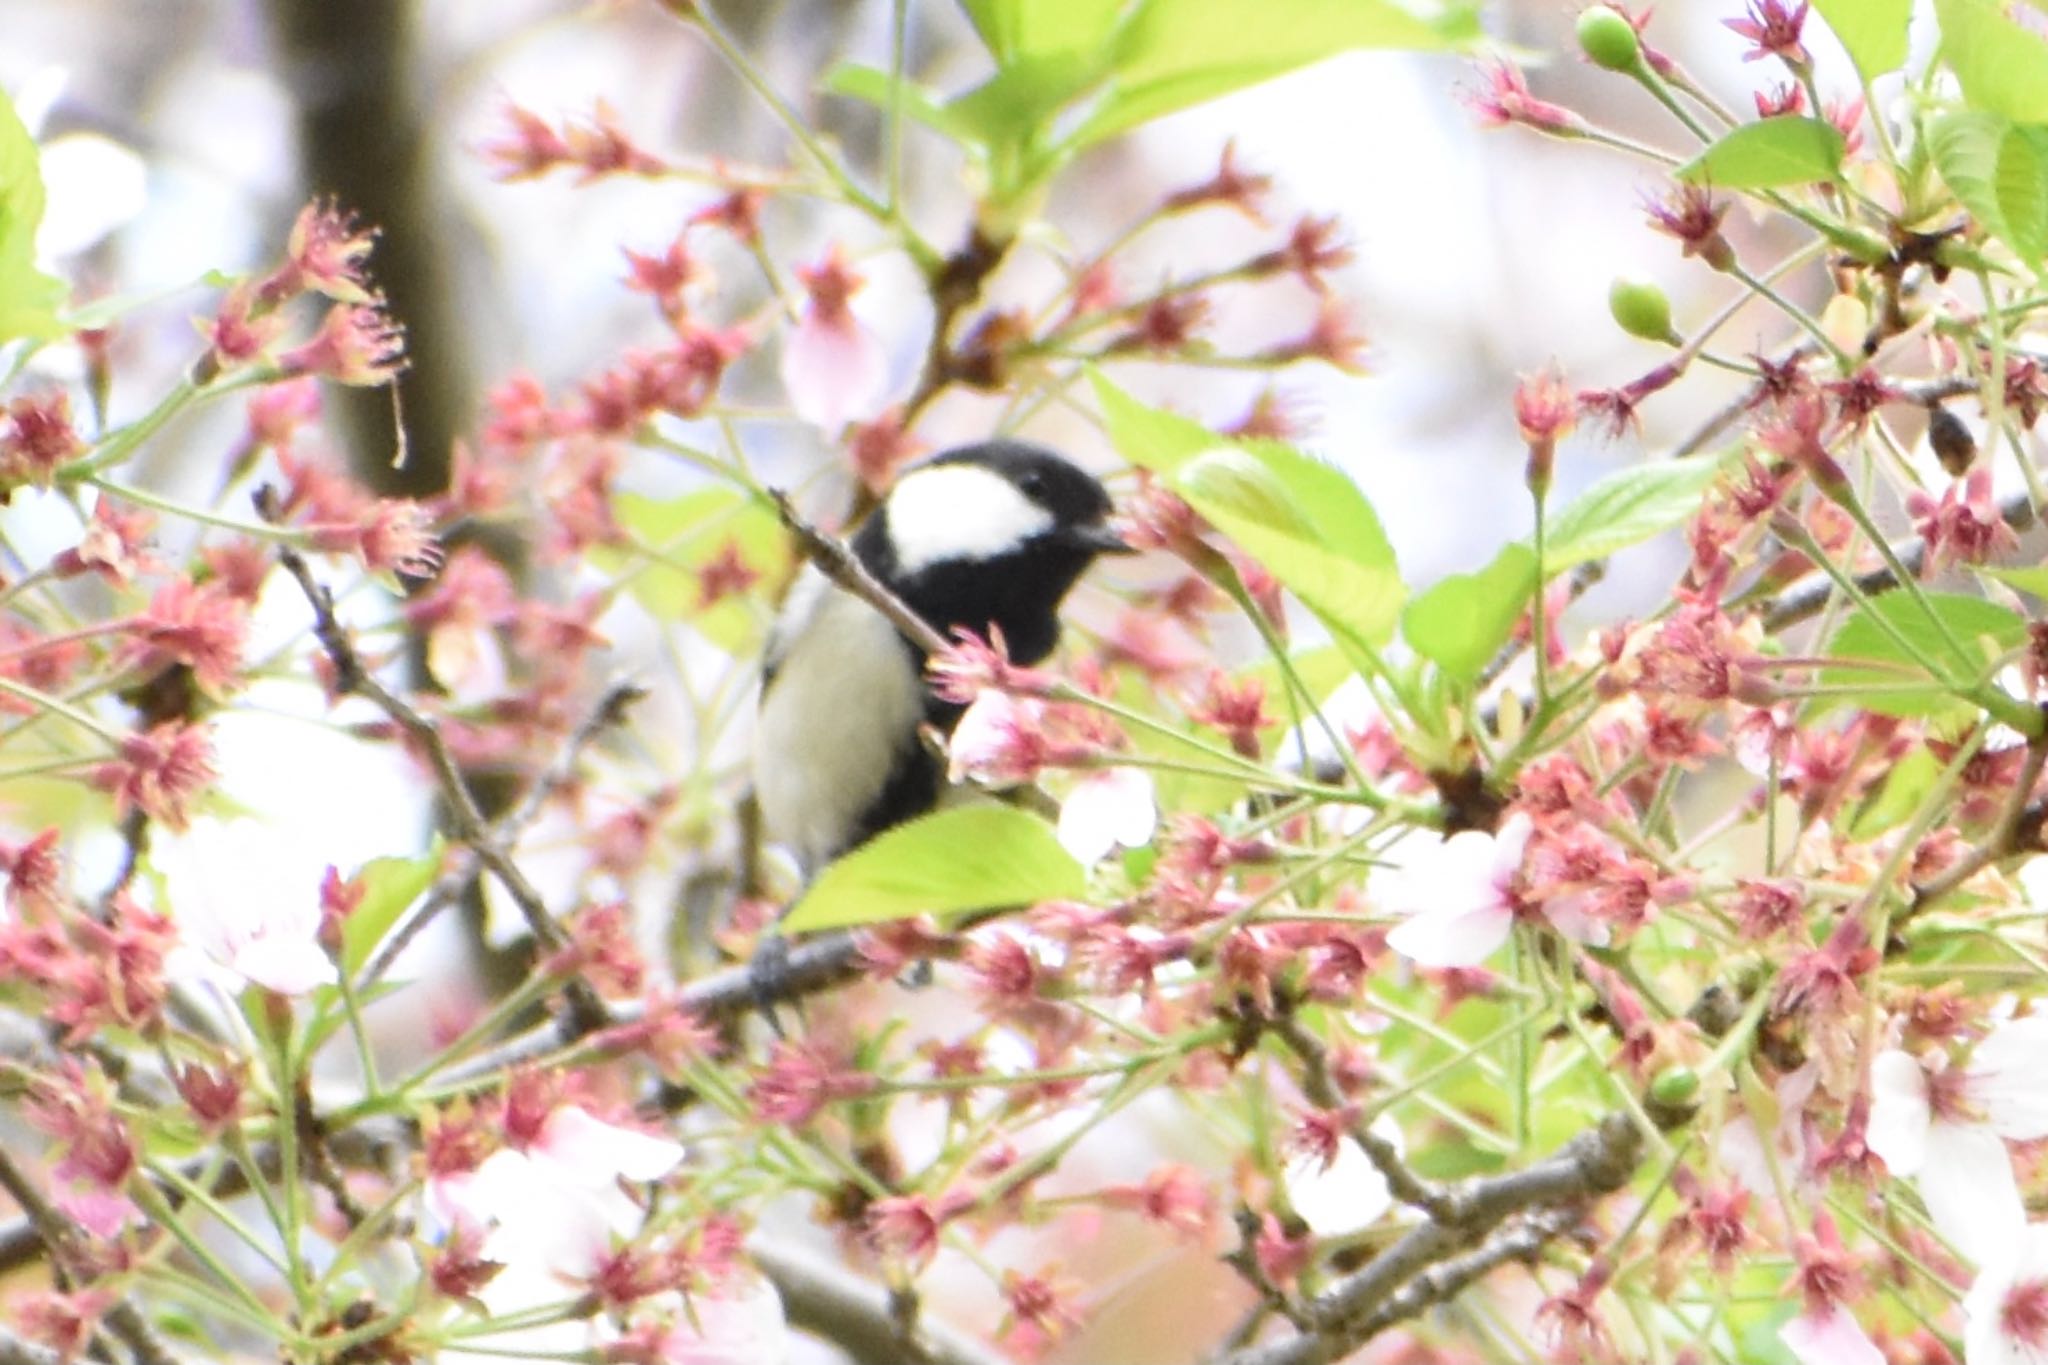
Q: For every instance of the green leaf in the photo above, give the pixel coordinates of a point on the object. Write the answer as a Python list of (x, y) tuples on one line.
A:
[(1787, 150), (1625, 508), (1873, 31), (1908, 783), (2031, 579), (979, 857), (1462, 621), (1018, 103), (1998, 170), (871, 85), (675, 538), (1175, 53), (2003, 66), (1017, 29), (28, 297), (1150, 438), (390, 886), (1982, 629), (1308, 524)]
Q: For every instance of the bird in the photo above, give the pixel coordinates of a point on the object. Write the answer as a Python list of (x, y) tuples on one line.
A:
[(984, 538)]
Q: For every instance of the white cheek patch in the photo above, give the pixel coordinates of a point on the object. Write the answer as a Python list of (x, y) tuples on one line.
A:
[(959, 511)]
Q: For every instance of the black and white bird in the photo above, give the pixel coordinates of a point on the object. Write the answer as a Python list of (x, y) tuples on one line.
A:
[(988, 535)]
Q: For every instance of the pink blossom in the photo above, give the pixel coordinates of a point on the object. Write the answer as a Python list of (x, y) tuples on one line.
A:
[(555, 1203), (833, 366), (1832, 1337), (1947, 1129), (1460, 898), (740, 1325)]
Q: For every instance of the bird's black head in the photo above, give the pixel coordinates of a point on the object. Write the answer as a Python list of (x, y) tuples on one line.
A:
[(990, 534)]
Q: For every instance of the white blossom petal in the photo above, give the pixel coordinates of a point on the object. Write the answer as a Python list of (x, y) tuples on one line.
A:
[(1452, 937), (1899, 1117), (1107, 809), (1968, 1187), (247, 901), (742, 1327), (1830, 1338), (1350, 1195), (2008, 1077), (600, 1153), (1987, 1339), (93, 186)]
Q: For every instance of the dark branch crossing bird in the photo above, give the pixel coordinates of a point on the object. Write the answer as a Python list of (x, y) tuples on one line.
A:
[(986, 537)]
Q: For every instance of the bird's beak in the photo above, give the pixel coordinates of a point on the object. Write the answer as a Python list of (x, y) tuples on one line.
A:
[(1101, 540)]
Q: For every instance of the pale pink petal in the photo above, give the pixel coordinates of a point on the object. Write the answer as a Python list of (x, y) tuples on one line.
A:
[(603, 1152), (1106, 809), (1569, 916), (1452, 937), (1897, 1130), (742, 1327), (986, 742), (1830, 1338), (833, 374), (286, 965), (103, 1212), (1987, 1339), (2008, 1076), (1968, 1187), (1453, 874)]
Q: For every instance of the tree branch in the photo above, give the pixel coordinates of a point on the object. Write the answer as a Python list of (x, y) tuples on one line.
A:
[(855, 1315)]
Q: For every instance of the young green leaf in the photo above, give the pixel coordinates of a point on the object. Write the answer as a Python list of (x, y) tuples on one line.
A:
[(1872, 31), (2031, 579), (1150, 438), (873, 86), (2002, 65), (1308, 525), (978, 857), (1776, 151), (1172, 54), (1461, 622), (1887, 675), (1998, 170), (390, 886), (1015, 30), (683, 537), (28, 297), (1625, 508)]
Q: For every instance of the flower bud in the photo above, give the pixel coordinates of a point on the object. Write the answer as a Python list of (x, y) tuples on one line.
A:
[(1608, 39), (1673, 1097), (1641, 309), (1951, 441)]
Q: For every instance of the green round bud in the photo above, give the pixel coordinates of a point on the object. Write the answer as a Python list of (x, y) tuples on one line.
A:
[(1673, 1098), (1641, 310), (1608, 39), (1675, 1085)]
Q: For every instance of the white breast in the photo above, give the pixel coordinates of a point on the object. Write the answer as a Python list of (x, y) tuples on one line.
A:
[(844, 700)]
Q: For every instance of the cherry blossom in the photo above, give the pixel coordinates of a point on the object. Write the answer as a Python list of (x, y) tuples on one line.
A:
[(2005, 1314), (1947, 1130), (1831, 1337), (833, 365), (248, 909), (740, 1325), (555, 1203), (1107, 809), (1459, 897)]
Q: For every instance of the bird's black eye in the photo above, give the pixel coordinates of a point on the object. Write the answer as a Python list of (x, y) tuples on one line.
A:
[(1032, 483)]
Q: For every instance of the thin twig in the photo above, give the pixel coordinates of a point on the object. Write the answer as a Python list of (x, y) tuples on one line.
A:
[(1439, 1257), (837, 563), (468, 825), (855, 1315), (453, 884)]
